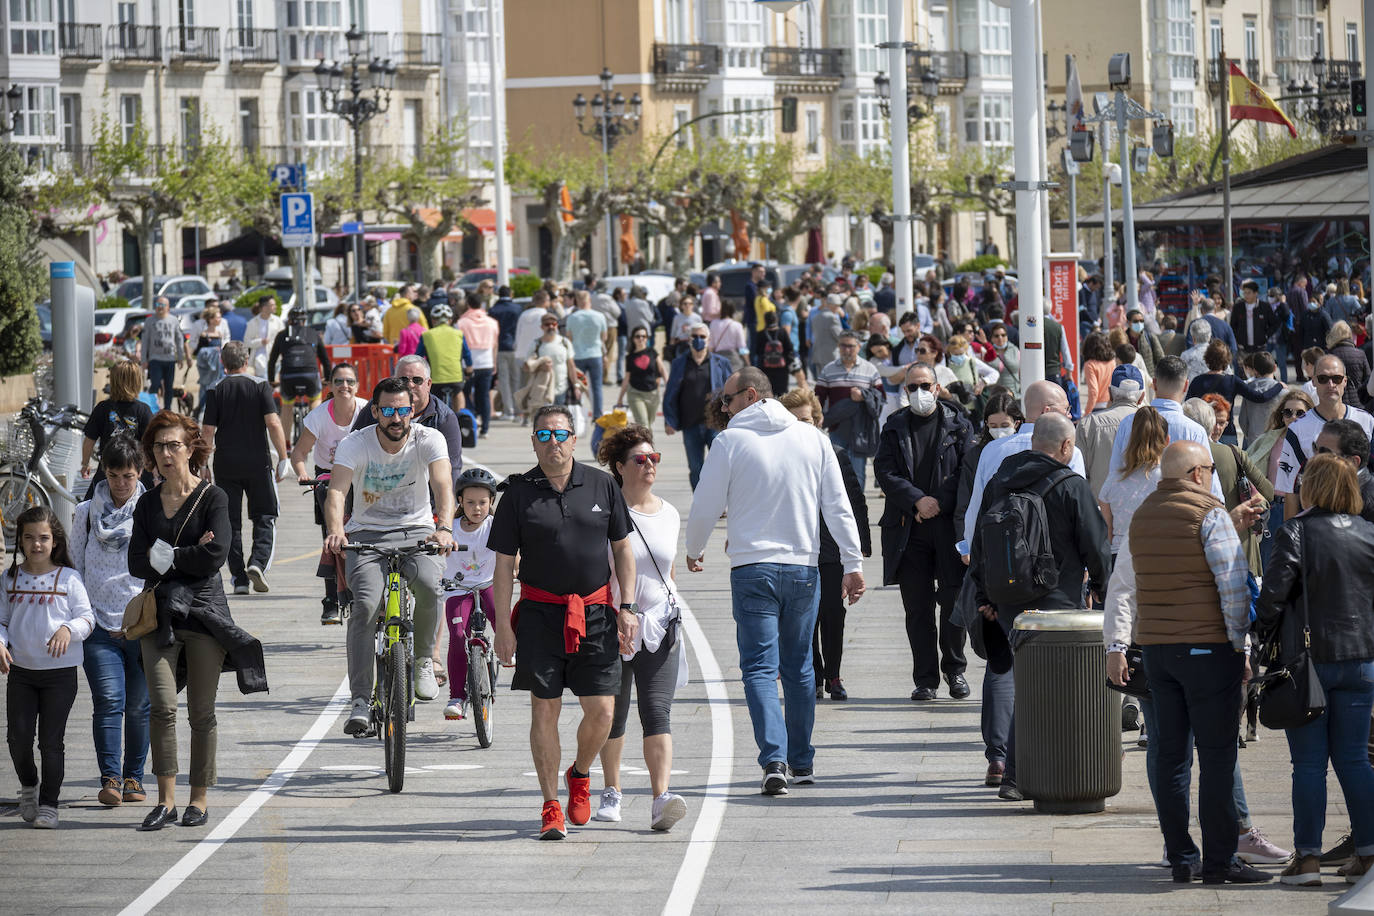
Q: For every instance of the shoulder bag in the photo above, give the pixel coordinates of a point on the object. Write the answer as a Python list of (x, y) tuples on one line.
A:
[(1290, 693), (676, 619), (140, 614)]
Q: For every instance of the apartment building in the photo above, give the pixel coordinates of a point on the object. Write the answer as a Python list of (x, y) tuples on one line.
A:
[(245, 67)]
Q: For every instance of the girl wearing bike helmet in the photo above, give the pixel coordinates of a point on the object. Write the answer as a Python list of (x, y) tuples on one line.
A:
[(475, 564)]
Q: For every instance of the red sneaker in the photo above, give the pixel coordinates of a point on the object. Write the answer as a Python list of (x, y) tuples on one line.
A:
[(552, 827), (579, 797)]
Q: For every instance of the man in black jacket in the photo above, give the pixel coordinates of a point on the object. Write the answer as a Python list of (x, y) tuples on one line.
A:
[(920, 454), (1347, 441), (1253, 322), (1077, 533)]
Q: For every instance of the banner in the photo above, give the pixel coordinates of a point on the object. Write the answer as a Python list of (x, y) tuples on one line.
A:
[(1248, 102), (1073, 97), (1062, 302)]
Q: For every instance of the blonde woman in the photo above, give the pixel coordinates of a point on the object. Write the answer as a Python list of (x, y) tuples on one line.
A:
[(121, 414)]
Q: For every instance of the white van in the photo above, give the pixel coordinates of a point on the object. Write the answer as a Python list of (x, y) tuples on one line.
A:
[(657, 285)]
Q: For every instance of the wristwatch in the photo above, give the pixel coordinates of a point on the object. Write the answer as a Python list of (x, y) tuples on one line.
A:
[(631, 607), (444, 528)]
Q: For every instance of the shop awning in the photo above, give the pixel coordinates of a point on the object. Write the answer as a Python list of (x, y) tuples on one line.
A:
[(246, 247)]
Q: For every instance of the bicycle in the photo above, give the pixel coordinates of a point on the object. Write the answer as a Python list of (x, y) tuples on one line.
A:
[(482, 662), (393, 693), (26, 471)]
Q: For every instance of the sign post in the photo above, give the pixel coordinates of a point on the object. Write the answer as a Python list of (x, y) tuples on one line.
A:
[(1062, 301), (298, 231)]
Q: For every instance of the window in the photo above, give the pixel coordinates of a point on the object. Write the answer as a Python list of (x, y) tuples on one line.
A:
[(995, 39), (997, 119), (315, 30), (31, 27), (243, 10), (249, 136), (310, 127), (1214, 47), (681, 115), (1183, 112), (130, 117), (1352, 41), (847, 123), (747, 121), (38, 116), (1305, 29), (1180, 24), (675, 23), (1251, 39), (942, 128), (186, 13), (813, 132), (1283, 39), (870, 28), (973, 124), (190, 126), (412, 126), (1320, 38), (357, 14), (71, 120), (743, 22)]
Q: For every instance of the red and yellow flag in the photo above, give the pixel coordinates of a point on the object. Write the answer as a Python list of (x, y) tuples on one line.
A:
[(1251, 103)]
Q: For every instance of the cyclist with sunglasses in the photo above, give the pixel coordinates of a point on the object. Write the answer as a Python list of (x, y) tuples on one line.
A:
[(392, 469), (1298, 441), (429, 412)]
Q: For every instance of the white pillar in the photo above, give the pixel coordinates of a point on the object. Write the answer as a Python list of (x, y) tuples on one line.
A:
[(901, 159), (1027, 132), (1368, 19), (1123, 138), (500, 202)]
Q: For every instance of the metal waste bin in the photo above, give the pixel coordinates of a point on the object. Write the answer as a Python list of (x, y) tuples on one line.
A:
[(1068, 724)]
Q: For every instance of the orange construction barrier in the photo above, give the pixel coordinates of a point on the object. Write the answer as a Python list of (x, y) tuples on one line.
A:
[(374, 362)]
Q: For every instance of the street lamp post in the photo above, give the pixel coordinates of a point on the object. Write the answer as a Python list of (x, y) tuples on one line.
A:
[(610, 121), (888, 91), (351, 102), (1324, 104)]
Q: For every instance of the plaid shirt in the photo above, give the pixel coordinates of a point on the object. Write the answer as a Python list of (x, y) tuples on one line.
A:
[(1225, 556)]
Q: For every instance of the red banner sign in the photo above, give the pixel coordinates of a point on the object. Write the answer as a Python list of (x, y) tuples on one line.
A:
[(1062, 302)]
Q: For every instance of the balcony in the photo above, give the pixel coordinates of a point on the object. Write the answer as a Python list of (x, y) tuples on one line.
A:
[(950, 66), (252, 49), (805, 70), (79, 44), (420, 52), (1342, 71), (307, 47), (135, 45), (1217, 73), (684, 68), (195, 48), (1252, 69)]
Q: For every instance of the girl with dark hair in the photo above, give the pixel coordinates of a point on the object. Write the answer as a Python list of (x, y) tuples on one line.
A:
[(44, 616), (121, 414), (1099, 361), (1219, 380), (101, 530)]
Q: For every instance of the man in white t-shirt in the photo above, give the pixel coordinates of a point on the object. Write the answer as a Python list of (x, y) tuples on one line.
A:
[(391, 467), (1330, 380)]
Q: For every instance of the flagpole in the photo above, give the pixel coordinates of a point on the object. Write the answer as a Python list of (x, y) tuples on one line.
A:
[(1226, 174)]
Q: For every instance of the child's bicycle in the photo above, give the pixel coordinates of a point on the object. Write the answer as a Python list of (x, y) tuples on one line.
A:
[(482, 663), (393, 695)]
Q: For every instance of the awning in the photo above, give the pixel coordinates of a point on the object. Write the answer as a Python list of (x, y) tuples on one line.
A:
[(246, 247), (484, 220), (371, 235)]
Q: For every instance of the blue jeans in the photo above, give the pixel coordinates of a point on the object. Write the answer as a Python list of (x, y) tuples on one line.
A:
[(1279, 347), (1341, 736), (859, 464), (162, 376), (480, 398), (775, 607), (592, 369), (623, 342), (999, 703), (1195, 691), (119, 693), (695, 441)]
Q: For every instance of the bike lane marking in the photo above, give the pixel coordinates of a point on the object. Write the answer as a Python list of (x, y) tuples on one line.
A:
[(224, 831), (702, 843)]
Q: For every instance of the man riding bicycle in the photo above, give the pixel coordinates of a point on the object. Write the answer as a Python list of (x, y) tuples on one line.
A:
[(392, 467), (304, 360)]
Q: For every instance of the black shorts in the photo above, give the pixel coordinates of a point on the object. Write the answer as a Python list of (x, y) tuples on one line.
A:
[(543, 667), (293, 386)]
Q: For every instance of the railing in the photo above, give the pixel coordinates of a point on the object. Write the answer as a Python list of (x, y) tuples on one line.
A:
[(196, 44), (79, 40), (1343, 70), (814, 62), (421, 49), (379, 45), (135, 42), (686, 60), (252, 46), (1252, 69), (1218, 71), (949, 66)]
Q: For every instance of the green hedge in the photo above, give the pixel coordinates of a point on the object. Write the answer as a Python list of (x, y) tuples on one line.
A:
[(874, 273), (112, 302), (522, 285), (982, 264), (247, 300)]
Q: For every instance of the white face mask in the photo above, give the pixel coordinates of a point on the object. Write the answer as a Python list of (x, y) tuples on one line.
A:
[(1001, 432), (922, 402)]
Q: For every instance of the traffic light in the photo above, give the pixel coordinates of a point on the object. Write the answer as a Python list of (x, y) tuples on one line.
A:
[(1357, 107), (789, 114)]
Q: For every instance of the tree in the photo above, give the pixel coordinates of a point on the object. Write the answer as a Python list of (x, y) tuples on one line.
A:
[(21, 269), (779, 201), (682, 191), (864, 185), (575, 199), (428, 193)]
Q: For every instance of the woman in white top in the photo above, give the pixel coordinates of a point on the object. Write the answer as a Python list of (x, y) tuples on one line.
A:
[(1139, 476), (337, 330), (262, 330), (659, 664), (325, 427), (728, 338)]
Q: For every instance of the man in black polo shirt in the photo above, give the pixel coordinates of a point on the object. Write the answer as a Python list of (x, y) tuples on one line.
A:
[(241, 407), (559, 516)]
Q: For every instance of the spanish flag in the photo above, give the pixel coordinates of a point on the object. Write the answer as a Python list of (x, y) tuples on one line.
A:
[(1248, 102)]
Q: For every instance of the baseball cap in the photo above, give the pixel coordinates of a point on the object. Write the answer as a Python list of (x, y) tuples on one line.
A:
[(1128, 378)]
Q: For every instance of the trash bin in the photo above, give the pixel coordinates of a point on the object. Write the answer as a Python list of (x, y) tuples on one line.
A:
[(1068, 724)]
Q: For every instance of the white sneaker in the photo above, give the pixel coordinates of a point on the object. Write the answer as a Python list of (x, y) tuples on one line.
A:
[(668, 810), (609, 809), (426, 687), (256, 577), (455, 710), (359, 719), (28, 803), (47, 818)]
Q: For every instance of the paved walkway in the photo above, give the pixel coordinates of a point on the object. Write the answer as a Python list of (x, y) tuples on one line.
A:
[(898, 822)]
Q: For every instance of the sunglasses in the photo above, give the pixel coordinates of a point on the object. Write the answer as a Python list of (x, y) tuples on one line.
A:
[(919, 386), (1290, 412), (346, 381), (1330, 379), (395, 411), (413, 379), (1323, 450), (1203, 467), (725, 398), (558, 435), (922, 351), (646, 457)]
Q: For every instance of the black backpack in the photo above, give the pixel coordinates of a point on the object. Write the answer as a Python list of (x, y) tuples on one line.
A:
[(773, 356), (1015, 542)]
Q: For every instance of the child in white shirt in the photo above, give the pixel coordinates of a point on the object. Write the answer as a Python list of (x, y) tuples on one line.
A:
[(44, 615), (474, 565)]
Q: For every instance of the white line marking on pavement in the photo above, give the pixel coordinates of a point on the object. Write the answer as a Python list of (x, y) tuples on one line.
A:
[(703, 840), (236, 819)]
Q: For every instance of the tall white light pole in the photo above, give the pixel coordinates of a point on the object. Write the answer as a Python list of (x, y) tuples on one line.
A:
[(1369, 118), (901, 156), (500, 204), (1028, 131)]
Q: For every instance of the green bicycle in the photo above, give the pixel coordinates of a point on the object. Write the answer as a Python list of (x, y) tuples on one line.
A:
[(393, 694)]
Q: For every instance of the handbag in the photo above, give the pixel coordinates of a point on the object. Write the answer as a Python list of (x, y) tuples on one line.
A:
[(1290, 693), (1137, 684), (140, 614), (676, 619)]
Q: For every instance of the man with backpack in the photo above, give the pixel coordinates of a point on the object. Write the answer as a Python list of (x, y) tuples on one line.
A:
[(1039, 530), (776, 355), (302, 356)]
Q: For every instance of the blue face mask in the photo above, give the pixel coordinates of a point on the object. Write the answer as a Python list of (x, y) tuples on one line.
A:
[(958, 359), (698, 343), (1137, 326)]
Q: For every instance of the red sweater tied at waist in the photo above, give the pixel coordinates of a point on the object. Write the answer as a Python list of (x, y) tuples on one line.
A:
[(575, 621)]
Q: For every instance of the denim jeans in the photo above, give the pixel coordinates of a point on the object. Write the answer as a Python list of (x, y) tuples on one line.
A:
[(1341, 736), (592, 369), (480, 399), (1279, 347), (1275, 523), (775, 606), (999, 702), (162, 375), (119, 693), (695, 441), (859, 464), (1195, 690)]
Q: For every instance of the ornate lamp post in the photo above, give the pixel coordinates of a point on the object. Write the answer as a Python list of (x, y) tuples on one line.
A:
[(13, 110), (610, 121), (1324, 104)]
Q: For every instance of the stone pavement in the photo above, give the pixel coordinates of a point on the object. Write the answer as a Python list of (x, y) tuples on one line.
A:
[(898, 822)]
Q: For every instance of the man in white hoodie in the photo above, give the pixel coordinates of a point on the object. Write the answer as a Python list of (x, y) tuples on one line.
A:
[(777, 477)]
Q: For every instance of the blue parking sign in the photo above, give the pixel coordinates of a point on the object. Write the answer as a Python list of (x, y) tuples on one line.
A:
[(297, 220)]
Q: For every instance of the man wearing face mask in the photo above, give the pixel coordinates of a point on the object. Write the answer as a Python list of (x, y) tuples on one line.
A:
[(920, 455), (1097, 430), (693, 376), (1145, 341), (1254, 322)]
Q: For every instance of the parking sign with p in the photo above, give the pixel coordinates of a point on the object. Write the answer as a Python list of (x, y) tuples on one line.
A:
[(297, 220)]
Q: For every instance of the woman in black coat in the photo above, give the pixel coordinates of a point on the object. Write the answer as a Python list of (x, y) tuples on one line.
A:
[(179, 543), (1340, 342)]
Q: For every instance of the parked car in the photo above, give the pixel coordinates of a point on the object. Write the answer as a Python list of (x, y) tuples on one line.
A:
[(111, 323), (791, 273), (656, 285), (735, 277), (469, 281), (45, 324), (174, 288)]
